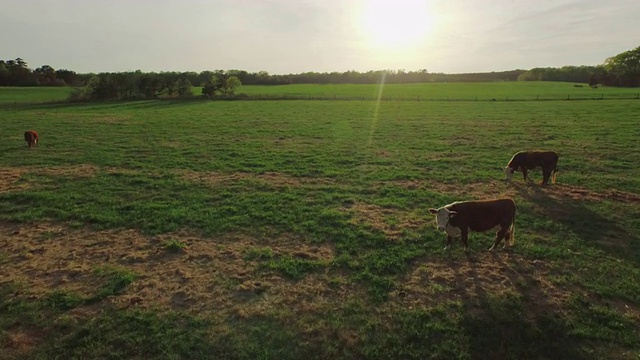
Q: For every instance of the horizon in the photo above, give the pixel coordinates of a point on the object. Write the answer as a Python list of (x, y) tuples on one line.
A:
[(285, 37)]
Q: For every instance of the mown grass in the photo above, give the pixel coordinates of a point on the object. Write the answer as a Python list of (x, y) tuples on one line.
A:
[(19, 95), (481, 91), (305, 170), (499, 91)]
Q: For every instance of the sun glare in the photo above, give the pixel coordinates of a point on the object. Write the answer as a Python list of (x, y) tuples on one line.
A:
[(390, 25)]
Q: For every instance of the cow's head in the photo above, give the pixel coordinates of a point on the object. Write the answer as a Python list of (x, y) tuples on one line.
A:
[(508, 172), (443, 215)]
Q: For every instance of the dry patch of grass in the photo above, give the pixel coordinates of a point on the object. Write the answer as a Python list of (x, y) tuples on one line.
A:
[(19, 342), (478, 276), (272, 178), (83, 170), (9, 177), (208, 276), (475, 191), (496, 188), (392, 222), (578, 193)]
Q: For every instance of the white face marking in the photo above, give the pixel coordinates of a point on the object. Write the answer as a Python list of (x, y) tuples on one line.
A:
[(442, 218), (508, 173)]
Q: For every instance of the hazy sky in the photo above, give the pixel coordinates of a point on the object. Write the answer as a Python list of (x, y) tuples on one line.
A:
[(294, 36)]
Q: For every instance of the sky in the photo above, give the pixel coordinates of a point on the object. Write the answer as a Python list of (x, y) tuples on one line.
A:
[(296, 36)]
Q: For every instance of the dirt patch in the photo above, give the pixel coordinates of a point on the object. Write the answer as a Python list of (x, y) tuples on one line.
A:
[(83, 170), (211, 177), (9, 177), (272, 178), (390, 221), (473, 191), (479, 276), (209, 275), (110, 119), (19, 342), (496, 188), (580, 194)]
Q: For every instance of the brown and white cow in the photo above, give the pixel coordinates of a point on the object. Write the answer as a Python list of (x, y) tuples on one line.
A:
[(456, 219), (31, 137), (526, 160)]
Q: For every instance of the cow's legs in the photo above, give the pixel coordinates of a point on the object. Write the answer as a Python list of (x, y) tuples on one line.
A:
[(501, 234), (464, 236), (448, 244), (524, 173), (546, 173)]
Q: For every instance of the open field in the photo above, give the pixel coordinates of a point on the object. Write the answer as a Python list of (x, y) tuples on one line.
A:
[(291, 229), (482, 91), (485, 91)]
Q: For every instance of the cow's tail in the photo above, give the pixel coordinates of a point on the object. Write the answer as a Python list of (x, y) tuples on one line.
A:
[(554, 171), (512, 239)]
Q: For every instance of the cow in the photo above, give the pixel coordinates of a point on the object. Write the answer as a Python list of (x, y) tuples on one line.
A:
[(456, 219), (31, 137), (526, 160)]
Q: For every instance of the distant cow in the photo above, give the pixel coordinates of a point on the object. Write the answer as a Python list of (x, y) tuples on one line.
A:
[(526, 160), (31, 137), (458, 218)]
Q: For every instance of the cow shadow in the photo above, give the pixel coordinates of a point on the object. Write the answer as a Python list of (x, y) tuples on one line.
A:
[(592, 228), (519, 321)]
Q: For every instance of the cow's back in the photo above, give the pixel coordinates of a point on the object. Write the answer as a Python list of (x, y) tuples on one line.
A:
[(483, 215), (531, 159)]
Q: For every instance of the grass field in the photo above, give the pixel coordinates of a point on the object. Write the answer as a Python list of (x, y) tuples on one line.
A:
[(484, 91), (290, 229)]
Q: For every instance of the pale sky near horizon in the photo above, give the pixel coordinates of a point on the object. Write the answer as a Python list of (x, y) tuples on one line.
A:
[(295, 36)]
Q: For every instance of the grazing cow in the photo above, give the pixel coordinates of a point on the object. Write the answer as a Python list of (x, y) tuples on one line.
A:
[(526, 160), (31, 137), (458, 218)]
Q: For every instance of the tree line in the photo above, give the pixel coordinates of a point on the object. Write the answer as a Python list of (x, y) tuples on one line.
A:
[(139, 85), (619, 70)]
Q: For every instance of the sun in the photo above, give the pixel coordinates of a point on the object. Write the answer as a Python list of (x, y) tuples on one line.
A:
[(396, 24)]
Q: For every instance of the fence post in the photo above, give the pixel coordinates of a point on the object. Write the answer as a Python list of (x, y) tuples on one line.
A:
[(537, 97), (568, 97)]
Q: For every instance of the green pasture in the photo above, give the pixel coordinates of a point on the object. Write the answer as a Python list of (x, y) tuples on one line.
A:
[(16, 95), (481, 91), (301, 228)]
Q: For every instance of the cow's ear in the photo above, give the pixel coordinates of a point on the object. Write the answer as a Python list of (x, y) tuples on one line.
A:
[(433, 211), (452, 214)]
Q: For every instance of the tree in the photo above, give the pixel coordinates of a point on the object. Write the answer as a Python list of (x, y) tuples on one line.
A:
[(46, 75), (20, 74), (183, 87), (210, 87), (69, 77), (230, 84), (5, 74), (624, 68)]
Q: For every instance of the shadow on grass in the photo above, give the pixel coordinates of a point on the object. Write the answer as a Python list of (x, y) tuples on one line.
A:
[(520, 324), (592, 228), (129, 104)]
